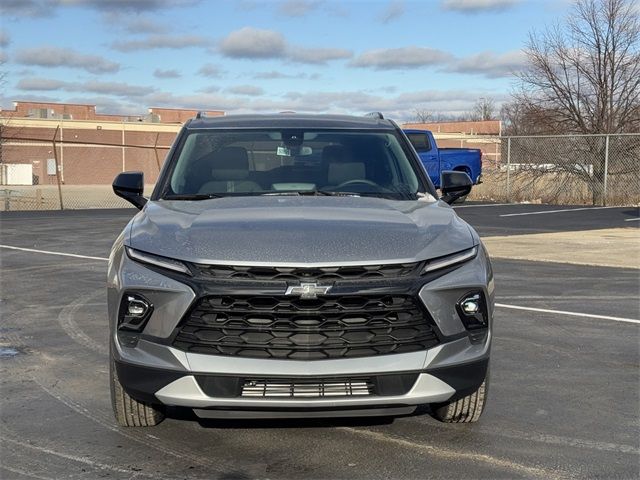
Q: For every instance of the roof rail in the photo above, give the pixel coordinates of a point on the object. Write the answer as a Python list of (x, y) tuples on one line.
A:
[(201, 114), (377, 115)]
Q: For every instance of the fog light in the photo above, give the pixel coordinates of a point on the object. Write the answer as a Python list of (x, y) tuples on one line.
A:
[(136, 307), (471, 305), (472, 309), (135, 310)]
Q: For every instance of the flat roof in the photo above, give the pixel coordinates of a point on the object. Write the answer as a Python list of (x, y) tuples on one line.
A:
[(291, 120)]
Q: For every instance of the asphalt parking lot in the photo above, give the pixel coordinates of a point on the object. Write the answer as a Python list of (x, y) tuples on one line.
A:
[(565, 385)]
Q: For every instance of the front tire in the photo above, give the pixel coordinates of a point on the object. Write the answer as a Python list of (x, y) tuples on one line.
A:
[(128, 411), (464, 410)]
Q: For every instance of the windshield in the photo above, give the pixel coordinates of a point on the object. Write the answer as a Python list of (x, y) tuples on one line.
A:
[(215, 163)]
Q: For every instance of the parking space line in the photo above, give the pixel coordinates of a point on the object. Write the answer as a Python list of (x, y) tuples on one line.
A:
[(487, 205), (542, 212), (564, 312), (47, 252), (632, 219)]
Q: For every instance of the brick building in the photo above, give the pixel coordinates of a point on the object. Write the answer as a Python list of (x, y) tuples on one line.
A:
[(79, 111), (90, 148)]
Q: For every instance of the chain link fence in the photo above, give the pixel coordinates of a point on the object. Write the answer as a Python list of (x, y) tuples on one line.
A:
[(73, 168), (54, 170), (572, 169)]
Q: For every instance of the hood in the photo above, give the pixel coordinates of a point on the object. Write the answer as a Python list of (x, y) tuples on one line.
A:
[(299, 231)]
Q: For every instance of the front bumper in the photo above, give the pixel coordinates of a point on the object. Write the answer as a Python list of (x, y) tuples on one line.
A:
[(185, 389), (156, 372)]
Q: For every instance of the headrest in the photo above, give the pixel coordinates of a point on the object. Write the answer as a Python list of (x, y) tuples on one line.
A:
[(339, 173), (230, 163), (334, 154)]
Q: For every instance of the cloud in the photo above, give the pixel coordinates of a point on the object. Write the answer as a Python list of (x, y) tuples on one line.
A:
[(210, 70), (41, 8), (132, 5), (158, 73), (394, 10), (490, 64), (318, 56), (113, 88), (478, 6), (401, 58), (397, 106), (297, 8), (144, 25), (135, 24), (249, 42), (249, 90), (253, 43), (109, 105), (40, 84), (23, 8), (274, 75), (50, 57), (38, 98), (4, 39), (161, 41), (3, 57), (103, 88), (210, 89)]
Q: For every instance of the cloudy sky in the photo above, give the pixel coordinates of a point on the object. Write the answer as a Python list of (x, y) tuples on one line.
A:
[(349, 56)]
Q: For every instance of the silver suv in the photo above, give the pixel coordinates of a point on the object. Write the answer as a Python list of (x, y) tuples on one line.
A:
[(297, 266)]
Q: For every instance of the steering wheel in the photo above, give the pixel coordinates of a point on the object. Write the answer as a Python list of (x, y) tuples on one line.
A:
[(360, 181)]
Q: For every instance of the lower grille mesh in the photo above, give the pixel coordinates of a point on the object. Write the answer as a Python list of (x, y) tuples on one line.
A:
[(275, 388)]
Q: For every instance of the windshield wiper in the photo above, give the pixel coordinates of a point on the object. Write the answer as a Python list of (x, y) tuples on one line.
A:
[(315, 193), (191, 196)]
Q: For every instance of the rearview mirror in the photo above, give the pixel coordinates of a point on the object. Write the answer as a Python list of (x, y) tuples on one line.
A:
[(130, 185), (454, 185)]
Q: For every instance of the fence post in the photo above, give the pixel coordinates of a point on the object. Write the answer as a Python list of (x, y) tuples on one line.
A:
[(508, 169), (124, 165), (606, 171), (155, 151), (55, 156)]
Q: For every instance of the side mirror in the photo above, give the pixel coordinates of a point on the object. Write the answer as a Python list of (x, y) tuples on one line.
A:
[(130, 185), (454, 185)]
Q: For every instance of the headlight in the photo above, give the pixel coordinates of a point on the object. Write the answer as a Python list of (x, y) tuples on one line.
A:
[(158, 261), (450, 260)]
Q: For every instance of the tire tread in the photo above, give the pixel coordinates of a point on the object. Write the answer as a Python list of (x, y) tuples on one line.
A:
[(464, 410), (128, 411)]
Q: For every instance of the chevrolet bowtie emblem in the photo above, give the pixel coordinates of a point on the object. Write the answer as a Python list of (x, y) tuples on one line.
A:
[(308, 291)]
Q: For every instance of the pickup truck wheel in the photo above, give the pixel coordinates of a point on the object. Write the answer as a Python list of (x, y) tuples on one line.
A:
[(464, 410), (128, 411)]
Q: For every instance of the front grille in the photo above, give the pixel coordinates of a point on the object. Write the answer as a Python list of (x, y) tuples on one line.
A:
[(306, 274), (265, 326), (311, 388)]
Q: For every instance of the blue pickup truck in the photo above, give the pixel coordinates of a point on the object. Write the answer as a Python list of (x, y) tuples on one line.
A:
[(436, 160)]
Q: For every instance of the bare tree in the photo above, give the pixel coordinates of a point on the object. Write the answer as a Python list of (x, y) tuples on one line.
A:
[(583, 77), (483, 109), (587, 74), (422, 115), (522, 118)]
